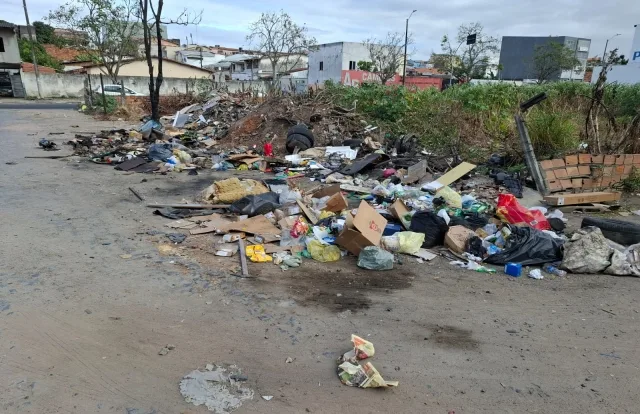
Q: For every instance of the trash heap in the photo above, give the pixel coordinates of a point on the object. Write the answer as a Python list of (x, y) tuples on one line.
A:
[(326, 202)]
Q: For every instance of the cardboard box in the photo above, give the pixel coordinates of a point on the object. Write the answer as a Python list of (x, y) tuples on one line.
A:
[(582, 198), (399, 211), (336, 203), (456, 238), (362, 230)]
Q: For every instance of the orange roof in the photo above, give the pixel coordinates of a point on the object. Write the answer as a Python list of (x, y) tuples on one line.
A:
[(28, 67), (426, 71), (63, 54)]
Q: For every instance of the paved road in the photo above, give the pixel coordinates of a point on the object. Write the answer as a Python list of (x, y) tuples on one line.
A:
[(42, 105)]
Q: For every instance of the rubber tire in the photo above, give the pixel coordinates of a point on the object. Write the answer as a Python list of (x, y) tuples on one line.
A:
[(353, 143), (301, 129), (619, 231), (297, 140)]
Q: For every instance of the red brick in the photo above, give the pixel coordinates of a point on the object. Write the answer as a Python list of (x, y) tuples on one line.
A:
[(597, 159), (554, 186), (566, 184), (546, 164), (627, 169), (576, 182), (571, 159), (550, 176), (584, 158), (636, 158), (619, 170), (620, 159), (560, 173), (584, 170), (572, 171), (609, 160), (558, 163), (628, 159)]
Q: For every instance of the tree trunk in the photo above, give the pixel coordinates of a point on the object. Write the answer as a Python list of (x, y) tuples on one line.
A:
[(155, 98)]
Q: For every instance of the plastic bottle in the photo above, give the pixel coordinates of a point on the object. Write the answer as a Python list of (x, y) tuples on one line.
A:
[(554, 271)]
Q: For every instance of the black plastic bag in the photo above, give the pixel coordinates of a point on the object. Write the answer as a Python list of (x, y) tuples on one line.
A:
[(475, 247), (254, 205), (472, 221), (160, 152), (528, 246), (433, 227)]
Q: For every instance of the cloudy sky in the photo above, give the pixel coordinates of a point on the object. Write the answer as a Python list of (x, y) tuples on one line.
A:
[(226, 22)]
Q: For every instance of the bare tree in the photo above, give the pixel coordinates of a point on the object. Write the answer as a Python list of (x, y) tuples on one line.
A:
[(279, 39), (103, 30), (151, 19), (474, 58), (386, 55), (550, 59)]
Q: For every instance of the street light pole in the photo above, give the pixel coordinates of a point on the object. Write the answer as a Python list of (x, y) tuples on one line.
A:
[(32, 46), (406, 41), (604, 54)]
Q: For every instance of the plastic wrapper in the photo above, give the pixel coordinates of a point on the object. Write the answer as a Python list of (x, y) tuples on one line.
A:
[(374, 258), (160, 152), (323, 253), (433, 227), (353, 374), (254, 205), (410, 242), (256, 253), (182, 156), (390, 243), (528, 247), (587, 252), (511, 211), (452, 198), (299, 228)]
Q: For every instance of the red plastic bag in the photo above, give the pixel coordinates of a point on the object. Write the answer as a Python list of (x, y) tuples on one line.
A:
[(511, 211)]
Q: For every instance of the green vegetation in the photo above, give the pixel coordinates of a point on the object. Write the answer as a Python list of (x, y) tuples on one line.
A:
[(43, 58), (476, 120)]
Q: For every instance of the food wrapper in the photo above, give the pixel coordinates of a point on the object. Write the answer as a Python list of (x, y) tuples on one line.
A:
[(353, 374), (256, 253)]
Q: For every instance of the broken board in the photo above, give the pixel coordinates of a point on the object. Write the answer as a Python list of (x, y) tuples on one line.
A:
[(210, 226), (582, 198), (259, 225), (452, 176), (308, 212), (415, 172)]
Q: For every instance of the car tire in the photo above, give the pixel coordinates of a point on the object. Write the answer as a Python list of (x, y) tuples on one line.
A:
[(297, 141), (301, 129), (619, 231)]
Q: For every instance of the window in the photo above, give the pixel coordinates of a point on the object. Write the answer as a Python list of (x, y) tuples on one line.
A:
[(1, 45), (321, 65), (352, 65)]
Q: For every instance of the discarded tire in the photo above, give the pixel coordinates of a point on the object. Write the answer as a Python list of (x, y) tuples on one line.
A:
[(297, 141), (619, 231), (301, 129)]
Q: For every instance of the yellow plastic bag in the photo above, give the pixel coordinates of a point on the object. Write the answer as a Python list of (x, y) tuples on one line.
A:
[(452, 198), (410, 242), (256, 253), (322, 252), (183, 156), (324, 214)]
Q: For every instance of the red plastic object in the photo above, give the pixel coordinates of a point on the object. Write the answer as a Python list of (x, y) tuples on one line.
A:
[(268, 149), (511, 211)]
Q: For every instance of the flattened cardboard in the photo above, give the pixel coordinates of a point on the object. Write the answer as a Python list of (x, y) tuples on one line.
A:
[(399, 211), (582, 198), (308, 212), (365, 229), (254, 225), (326, 191), (454, 175)]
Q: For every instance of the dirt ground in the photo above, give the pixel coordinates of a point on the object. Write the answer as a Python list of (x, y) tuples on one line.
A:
[(81, 322)]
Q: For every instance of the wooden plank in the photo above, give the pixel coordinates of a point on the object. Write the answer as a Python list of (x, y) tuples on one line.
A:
[(454, 175), (308, 212), (243, 258), (255, 225), (193, 206), (582, 198)]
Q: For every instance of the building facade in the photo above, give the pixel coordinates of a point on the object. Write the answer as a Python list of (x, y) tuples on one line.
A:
[(517, 52), (329, 60)]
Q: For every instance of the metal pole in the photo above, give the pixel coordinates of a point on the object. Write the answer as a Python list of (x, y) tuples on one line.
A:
[(104, 100), (33, 52), (604, 54), (406, 40)]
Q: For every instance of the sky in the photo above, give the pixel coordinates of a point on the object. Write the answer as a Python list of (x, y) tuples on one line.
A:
[(226, 22)]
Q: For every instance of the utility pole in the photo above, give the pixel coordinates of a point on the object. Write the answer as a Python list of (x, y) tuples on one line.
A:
[(33, 52), (406, 41), (604, 54)]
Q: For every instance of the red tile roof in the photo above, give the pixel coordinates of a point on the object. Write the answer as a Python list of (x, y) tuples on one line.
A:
[(28, 67), (63, 54)]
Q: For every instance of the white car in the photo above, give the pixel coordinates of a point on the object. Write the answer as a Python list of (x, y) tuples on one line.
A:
[(116, 90)]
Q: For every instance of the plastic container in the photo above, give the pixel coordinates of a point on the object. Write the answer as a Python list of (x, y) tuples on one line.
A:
[(513, 269), (552, 270)]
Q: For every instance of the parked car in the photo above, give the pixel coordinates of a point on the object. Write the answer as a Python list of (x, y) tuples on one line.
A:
[(116, 90)]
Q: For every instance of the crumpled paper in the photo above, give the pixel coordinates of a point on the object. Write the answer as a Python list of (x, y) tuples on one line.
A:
[(353, 374)]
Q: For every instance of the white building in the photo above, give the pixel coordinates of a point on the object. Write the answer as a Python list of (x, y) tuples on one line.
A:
[(245, 67), (629, 73), (195, 57), (329, 60)]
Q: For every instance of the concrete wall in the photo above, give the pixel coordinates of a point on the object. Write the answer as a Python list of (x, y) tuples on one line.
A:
[(170, 69), (72, 86), (330, 55), (11, 52), (627, 74)]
